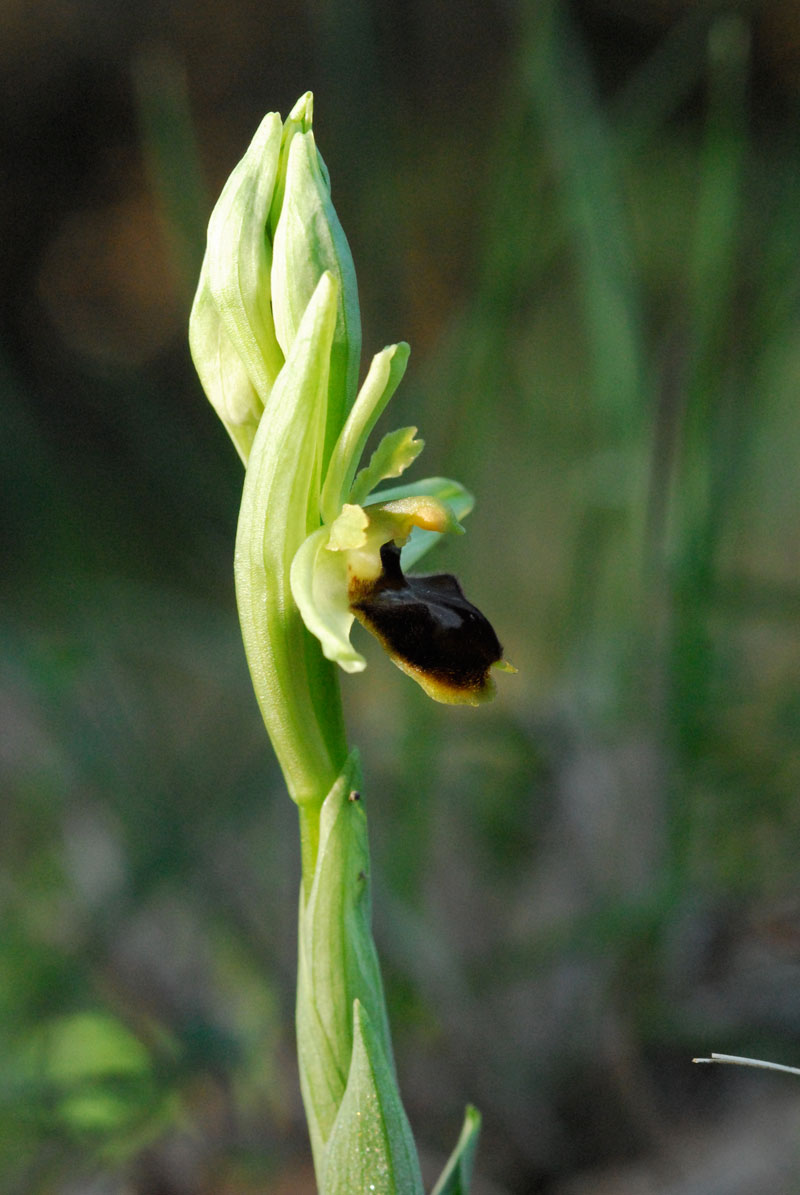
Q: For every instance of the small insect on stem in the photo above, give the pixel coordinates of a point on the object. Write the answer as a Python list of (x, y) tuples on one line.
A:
[(354, 795)]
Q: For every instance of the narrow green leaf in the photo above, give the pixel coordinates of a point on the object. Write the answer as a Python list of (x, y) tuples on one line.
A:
[(322, 1061), (385, 374), (337, 959), (371, 1149), (718, 227), (457, 1174), (564, 99)]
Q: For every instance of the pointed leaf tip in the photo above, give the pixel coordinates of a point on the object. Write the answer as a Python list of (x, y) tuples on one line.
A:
[(370, 1147), (456, 1177)]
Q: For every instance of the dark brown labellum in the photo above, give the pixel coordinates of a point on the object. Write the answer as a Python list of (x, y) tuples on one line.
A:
[(429, 629)]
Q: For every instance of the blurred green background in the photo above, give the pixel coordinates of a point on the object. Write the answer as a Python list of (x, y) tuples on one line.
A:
[(585, 219)]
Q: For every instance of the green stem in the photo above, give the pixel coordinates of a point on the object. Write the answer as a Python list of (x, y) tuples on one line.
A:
[(309, 845)]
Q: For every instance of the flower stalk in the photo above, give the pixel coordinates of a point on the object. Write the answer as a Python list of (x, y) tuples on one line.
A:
[(275, 335)]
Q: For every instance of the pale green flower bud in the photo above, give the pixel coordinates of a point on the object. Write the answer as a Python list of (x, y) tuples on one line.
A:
[(307, 240), (231, 330)]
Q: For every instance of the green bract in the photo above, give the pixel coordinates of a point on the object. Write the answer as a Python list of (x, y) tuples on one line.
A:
[(278, 511), (344, 1049)]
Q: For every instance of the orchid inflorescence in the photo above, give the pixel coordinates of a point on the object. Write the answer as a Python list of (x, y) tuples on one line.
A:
[(339, 572)]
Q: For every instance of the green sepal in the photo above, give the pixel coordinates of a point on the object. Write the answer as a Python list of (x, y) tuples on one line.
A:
[(371, 1148), (278, 511), (307, 240), (396, 451), (383, 377), (337, 961), (452, 493), (319, 587), (232, 315), (457, 1174)]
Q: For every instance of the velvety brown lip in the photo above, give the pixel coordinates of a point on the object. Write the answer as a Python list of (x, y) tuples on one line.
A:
[(429, 628)]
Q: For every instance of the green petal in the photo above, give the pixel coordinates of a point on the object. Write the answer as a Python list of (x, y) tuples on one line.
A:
[(309, 239), (384, 376), (396, 451), (371, 1149), (319, 587), (235, 283)]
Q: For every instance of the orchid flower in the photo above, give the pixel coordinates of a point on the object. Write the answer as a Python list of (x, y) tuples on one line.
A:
[(352, 566)]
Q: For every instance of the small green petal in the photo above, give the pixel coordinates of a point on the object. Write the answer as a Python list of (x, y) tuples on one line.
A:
[(349, 530), (299, 120), (396, 451), (384, 376)]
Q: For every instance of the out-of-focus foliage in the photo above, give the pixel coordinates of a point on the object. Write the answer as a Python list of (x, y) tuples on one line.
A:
[(586, 221)]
